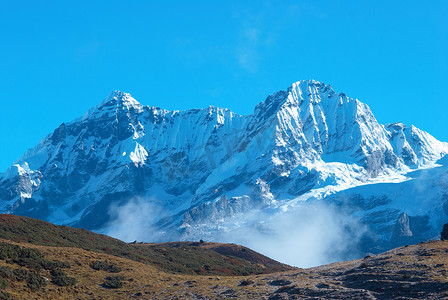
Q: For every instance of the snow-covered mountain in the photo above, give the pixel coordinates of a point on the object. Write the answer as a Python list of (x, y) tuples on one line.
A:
[(202, 172)]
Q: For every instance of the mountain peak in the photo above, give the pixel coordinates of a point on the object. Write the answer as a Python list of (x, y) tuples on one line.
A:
[(120, 98), (115, 100), (300, 93), (308, 82)]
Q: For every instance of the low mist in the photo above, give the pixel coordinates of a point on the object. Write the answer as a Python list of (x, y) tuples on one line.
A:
[(306, 236), (134, 221)]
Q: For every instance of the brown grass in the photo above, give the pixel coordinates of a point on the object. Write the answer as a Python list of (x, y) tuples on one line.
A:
[(413, 272)]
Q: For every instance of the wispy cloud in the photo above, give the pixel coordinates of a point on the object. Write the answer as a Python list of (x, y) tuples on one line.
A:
[(247, 51), (263, 25), (135, 220), (311, 235)]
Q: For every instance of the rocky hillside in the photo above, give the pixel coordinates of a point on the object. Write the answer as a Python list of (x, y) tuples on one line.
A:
[(32, 271)]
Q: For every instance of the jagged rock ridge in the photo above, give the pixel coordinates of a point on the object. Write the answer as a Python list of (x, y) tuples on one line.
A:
[(204, 166)]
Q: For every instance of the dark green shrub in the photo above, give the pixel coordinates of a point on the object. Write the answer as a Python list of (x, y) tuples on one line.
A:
[(57, 272), (113, 282), (29, 257), (31, 253), (38, 263), (32, 259), (8, 251), (114, 268), (30, 263), (100, 265), (4, 295), (59, 277), (60, 264), (50, 265), (7, 272), (63, 280), (16, 274), (21, 274), (35, 281), (3, 283)]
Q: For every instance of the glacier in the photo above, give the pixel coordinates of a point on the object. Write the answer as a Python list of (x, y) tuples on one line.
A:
[(213, 174)]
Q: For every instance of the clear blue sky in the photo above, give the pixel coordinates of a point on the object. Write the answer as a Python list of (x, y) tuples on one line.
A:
[(59, 58)]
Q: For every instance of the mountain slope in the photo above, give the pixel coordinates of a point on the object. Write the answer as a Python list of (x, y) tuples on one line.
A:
[(400, 213), (127, 169), (178, 258)]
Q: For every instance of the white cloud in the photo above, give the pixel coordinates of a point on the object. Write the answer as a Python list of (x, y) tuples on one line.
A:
[(134, 220), (306, 236)]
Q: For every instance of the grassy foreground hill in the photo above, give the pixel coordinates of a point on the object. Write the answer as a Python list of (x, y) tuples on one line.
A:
[(178, 257), (56, 270)]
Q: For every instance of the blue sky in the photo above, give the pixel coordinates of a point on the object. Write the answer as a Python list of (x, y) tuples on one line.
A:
[(59, 58)]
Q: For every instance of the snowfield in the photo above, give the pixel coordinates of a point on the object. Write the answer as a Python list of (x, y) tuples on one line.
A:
[(308, 169)]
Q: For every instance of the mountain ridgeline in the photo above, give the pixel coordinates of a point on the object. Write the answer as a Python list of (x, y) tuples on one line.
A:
[(201, 172)]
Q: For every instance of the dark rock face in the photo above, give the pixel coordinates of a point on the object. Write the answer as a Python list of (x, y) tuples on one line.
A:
[(304, 183), (444, 234), (402, 228), (220, 209), (409, 229)]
